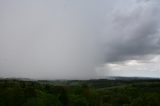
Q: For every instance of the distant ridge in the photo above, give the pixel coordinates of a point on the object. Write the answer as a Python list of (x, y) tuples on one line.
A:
[(105, 78), (131, 78), (21, 79)]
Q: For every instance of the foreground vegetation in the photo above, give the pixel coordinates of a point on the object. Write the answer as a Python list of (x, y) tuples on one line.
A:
[(80, 93)]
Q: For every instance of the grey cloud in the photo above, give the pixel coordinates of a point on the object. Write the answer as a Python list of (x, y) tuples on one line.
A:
[(133, 34), (68, 39)]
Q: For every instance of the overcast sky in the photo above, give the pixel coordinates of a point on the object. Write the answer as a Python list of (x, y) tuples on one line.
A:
[(79, 39)]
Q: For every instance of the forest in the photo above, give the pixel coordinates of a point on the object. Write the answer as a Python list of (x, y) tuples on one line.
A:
[(100, 92)]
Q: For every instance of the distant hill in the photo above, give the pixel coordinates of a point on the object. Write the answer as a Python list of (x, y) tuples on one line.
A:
[(131, 78)]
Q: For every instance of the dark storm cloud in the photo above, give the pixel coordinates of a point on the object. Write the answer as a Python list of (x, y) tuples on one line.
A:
[(133, 34)]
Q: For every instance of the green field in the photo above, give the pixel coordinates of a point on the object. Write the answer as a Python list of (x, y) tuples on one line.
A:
[(15, 92)]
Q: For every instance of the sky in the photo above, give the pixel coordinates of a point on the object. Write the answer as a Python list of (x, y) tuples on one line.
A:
[(79, 39)]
